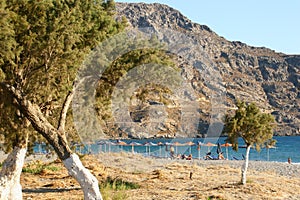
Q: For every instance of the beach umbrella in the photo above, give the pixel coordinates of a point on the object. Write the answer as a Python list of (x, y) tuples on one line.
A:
[(100, 142), (152, 144), (121, 144), (160, 144), (176, 144), (190, 144), (102, 145), (146, 145), (134, 144), (208, 145), (88, 146), (167, 144), (109, 143), (268, 151), (149, 144), (199, 149), (226, 145)]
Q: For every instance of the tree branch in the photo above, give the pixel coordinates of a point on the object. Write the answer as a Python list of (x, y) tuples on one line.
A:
[(67, 103), (33, 113)]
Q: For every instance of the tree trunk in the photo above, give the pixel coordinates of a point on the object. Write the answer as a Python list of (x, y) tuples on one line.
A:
[(245, 166), (58, 141), (10, 187), (87, 181)]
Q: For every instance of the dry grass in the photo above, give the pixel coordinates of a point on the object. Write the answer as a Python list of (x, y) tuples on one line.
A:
[(163, 179)]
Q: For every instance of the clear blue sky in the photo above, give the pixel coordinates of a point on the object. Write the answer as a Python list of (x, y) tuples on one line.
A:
[(270, 23)]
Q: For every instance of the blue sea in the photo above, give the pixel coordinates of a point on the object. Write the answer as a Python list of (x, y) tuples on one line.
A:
[(285, 147)]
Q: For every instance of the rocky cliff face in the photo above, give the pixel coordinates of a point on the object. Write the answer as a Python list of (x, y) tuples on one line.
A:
[(270, 79)]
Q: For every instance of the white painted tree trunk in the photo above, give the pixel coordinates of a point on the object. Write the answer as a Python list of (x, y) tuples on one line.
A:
[(10, 186), (57, 139), (87, 181), (245, 166)]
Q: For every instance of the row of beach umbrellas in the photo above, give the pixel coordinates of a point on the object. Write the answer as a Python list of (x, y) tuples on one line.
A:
[(122, 143), (148, 145)]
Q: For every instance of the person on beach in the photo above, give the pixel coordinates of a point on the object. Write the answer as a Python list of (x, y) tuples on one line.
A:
[(220, 156), (172, 152), (183, 156), (208, 156), (289, 160), (189, 157)]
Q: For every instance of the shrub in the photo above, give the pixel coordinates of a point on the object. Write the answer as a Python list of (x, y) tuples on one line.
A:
[(114, 189), (37, 167)]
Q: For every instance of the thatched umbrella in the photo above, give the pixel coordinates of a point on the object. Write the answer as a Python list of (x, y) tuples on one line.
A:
[(176, 144), (226, 145), (199, 149), (109, 143), (208, 145), (121, 144), (167, 144), (134, 144), (160, 144), (149, 144), (268, 151), (100, 143), (190, 144)]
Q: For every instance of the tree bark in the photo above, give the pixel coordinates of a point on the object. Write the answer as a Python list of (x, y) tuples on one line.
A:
[(87, 181), (66, 105), (58, 141), (245, 166), (10, 187)]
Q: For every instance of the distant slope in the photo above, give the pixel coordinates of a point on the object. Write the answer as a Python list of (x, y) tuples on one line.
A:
[(270, 79)]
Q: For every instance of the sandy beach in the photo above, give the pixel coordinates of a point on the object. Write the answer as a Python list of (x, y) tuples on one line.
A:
[(169, 179), (138, 163)]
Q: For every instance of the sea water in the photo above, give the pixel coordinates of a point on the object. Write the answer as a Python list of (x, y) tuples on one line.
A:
[(285, 147)]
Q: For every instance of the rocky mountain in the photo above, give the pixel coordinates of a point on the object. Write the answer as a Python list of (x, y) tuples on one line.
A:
[(253, 74)]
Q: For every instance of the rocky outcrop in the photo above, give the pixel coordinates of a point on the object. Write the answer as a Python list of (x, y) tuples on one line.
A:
[(258, 74)]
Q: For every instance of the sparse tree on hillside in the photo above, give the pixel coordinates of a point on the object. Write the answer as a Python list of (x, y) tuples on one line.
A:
[(42, 44), (254, 127)]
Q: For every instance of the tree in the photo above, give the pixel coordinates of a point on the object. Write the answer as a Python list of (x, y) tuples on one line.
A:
[(253, 126), (42, 44), (118, 69)]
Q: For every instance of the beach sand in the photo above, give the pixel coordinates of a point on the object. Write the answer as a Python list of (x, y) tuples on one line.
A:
[(170, 179)]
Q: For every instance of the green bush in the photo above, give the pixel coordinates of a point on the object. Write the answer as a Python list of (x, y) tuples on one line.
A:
[(113, 189), (37, 167)]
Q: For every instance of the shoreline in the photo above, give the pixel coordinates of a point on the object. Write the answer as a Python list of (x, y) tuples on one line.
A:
[(121, 159)]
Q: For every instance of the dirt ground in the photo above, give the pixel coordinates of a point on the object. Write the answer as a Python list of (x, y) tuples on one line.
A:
[(160, 179)]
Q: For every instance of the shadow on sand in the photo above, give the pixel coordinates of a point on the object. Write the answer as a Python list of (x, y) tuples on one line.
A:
[(48, 190)]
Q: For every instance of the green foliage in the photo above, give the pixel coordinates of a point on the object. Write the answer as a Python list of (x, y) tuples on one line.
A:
[(119, 184), (136, 60), (7, 44), (249, 123), (109, 194), (214, 197), (37, 167), (42, 45), (114, 188)]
